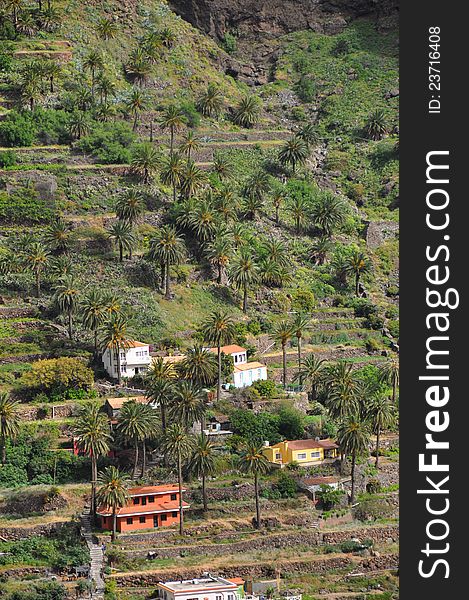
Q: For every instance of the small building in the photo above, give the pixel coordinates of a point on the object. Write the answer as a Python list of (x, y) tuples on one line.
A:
[(237, 353), (218, 426), (207, 587), (135, 359), (246, 374), (312, 485), (149, 507), (304, 452), (112, 406)]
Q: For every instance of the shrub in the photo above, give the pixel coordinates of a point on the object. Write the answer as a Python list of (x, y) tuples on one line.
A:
[(58, 375), (306, 89), (109, 142), (229, 43), (17, 129), (7, 159), (329, 497), (290, 423), (12, 476), (256, 428), (25, 206), (191, 114), (286, 485), (303, 300), (266, 388)]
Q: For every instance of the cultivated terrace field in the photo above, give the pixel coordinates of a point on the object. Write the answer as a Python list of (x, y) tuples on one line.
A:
[(192, 191)]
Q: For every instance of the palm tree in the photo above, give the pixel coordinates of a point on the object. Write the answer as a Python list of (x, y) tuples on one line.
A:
[(61, 266), (172, 170), (244, 273), (389, 374), (226, 204), (199, 366), (135, 104), (193, 179), (311, 371), (93, 437), (219, 329), (353, 438), (300, 323), (299, 208), (358, 264), (145, 161), (37, 258), (93, 62), (203, 219), (257, 185), (219, 253), (276, 252), (136, 423), (293, 152), (210, 104), (79, 125), (139, 65), (253, 462), (167, 248), (93, 314), (309, 134), (107, 28), (202, 463), (381, 413), (57, 236), (247, 111), (121, 233), (9, 421), (187, 404), (106, 88), (178, 444), (278, 199), (223, 167), (328, 213), (190, 143), (130, 206), (173, 119), (114, 336), (66, 296), (168, 37), (273, 274), (52, 70), (320, 250), (160, 378), (282, 334), (375, 125), (113, 493)]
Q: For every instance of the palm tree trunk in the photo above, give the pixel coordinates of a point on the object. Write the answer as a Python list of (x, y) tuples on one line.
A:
[(245, 299), (70, 325), (277, 216), (163, 415), (357, 281), (167, 293), (181, 513), (219, 274), (377, 448), (96, 343), (114, 524), (51, 81), (352, 494), (174, 191), (300, 379), (94, 477), (4, 450), (151, 131), (119, 375), (284, 365), (134, 127), (38, 284), (134, 472), (394, 391), (171, 145), (204, 494), (258, 508), (144, 457), (121, 253), (219, 373)]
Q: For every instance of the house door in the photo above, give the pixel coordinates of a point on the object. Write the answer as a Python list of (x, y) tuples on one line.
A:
[(155, 521)]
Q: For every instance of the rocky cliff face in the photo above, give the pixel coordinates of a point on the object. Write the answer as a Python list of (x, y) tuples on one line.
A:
[(277, 17)]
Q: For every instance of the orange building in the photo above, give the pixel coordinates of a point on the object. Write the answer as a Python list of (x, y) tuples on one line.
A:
[(149, 507)]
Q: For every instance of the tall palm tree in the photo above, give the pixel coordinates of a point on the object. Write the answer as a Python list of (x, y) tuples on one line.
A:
[(9, 421), (253, 462), (190, 143), (172, 171), (210, 104), (320, 249), (137, 422), (381, 413), (178, 444), (257, 185), (130, 206), (309, 134), (159, 384), (172, 119), (389, 374), (93, 436), (219, 329), (138, 66), (67, 295), (203, 220), (299, 325), (278, 199), (145, 161), (187, 405), (37, 258), (202, 462), (93, 313), (223, 167), (299, 209), (79, 125), (52, 70), (199, 366), (106, 88), (167, 248), (219, 253), (93, 62), (342, 390), (276, 252), (193, 179), (244, 273), (293, 152), (311, 371), (282, 334), (113, 493), (353, 438), (135, 104), (121, 233), (358, 264), (328, 213), (57, 236), (247, 111), (227, 204), (115, 337)]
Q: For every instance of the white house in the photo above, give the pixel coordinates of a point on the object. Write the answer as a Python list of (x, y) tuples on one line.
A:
[(134, 359), (237, 353), (206, 588), (245, 373)]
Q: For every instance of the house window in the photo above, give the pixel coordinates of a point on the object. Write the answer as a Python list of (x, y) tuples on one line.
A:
[(130, 521), (151, 498), (218, 597), (230, 597), (136, 500), (315, 454), (164, 517), (236, 358), (277, 456), (302, 456), (174, 514), (142, 519), (173, 496), (144, 501)]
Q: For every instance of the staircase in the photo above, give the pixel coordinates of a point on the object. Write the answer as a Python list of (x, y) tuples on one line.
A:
[(96, 557)]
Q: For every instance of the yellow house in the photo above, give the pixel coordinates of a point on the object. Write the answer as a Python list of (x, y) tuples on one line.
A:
[(304, 452)]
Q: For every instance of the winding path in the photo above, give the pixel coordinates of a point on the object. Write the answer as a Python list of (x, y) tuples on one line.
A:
[(96, 557)]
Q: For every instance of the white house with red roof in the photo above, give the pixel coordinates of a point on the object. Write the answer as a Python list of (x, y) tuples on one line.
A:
[(245, 373), (134, 359)]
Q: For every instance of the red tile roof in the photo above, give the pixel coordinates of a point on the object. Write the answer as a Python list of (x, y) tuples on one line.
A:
[(138, 509), (320, 480), (148, 490), (132, 344), (116, 403), (305, 444), (230, 349)]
